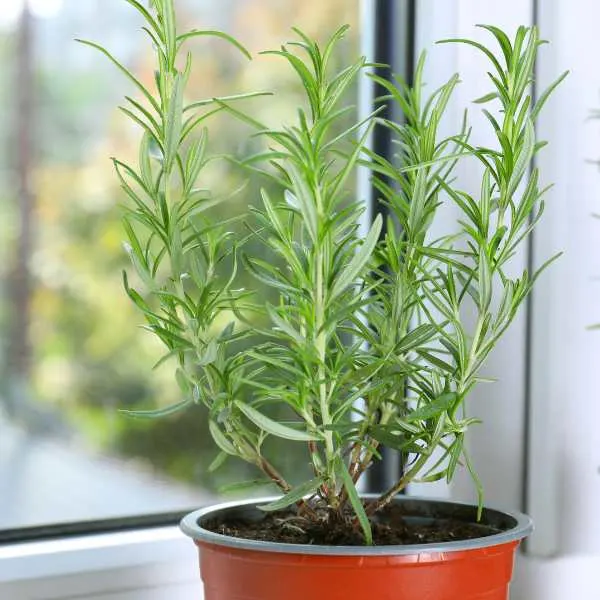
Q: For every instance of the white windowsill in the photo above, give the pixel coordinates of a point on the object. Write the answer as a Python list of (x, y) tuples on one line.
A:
[(144, 564), (69, 556)]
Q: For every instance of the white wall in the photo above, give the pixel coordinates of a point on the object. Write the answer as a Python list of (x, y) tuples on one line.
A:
[(564, 459), (572, 360), (501, 404)]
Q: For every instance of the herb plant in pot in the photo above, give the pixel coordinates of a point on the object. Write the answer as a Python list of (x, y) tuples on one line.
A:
[(373, 340)]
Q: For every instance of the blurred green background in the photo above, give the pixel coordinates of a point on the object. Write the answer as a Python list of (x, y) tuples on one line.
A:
[(72, 353)]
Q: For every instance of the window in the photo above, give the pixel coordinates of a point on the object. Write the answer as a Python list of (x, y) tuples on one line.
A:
[(72, 352)]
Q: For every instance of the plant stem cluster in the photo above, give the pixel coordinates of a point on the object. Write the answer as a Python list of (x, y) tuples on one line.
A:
[(369, 342)]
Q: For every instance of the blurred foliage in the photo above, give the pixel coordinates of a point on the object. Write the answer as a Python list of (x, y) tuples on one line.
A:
[(90, 357)]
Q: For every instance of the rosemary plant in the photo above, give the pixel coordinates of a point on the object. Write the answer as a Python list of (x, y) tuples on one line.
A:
[(368, 342)]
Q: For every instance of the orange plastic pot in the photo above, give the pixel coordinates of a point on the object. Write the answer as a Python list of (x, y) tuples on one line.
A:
[(477, 569)]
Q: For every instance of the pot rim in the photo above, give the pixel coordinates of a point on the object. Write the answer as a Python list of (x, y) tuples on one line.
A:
[(189, 525)]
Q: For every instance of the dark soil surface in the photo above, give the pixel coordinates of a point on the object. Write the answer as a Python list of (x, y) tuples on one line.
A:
[(390, 527)]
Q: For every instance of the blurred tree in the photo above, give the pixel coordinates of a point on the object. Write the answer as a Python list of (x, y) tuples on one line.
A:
[(18, 353)]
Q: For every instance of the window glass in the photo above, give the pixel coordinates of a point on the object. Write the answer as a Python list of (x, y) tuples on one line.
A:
[(72, 352)]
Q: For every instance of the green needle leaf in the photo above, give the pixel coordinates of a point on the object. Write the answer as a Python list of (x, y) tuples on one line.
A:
[(273, 427), (125, 72), (221, 440), (173, 124), (285, 327), (218, 462), (159, 412), (293, 496), (432, 409), (355, 501), (214, 33), (359, 260)]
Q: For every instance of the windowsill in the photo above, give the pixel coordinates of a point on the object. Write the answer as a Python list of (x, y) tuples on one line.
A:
[(149, 558)]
